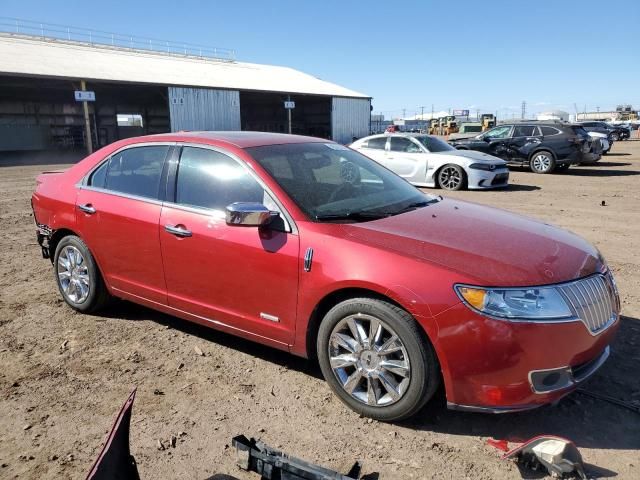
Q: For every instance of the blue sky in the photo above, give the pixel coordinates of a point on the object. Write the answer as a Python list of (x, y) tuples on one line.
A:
[(406, 54)]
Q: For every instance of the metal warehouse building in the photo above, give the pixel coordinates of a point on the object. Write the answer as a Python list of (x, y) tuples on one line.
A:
[(140, 91)]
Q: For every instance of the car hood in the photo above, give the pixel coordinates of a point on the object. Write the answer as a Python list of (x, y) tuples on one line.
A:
[(488, 246), (474, 156)]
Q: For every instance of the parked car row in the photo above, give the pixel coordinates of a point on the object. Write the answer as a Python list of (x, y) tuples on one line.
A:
[(428, 161), (480, 161)]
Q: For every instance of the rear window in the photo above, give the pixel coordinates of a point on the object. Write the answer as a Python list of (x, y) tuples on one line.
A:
[(135, 171), (524, 131), (547, 131)]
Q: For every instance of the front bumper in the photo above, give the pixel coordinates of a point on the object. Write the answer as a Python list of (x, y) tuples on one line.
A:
[(482, 179), (487, 363)]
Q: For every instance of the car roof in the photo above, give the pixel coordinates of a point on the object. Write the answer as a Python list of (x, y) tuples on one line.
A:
[(397, 134), (235, 138)]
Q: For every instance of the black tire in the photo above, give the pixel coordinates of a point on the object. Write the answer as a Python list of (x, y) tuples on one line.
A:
[(97, 296), (423, 371), (542, 162), (615, 136), (451, 177)]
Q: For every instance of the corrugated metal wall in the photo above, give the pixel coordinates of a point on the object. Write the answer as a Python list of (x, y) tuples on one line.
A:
[(204, 109), (350, 118)]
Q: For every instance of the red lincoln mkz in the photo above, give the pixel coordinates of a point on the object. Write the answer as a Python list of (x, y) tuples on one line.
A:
[(308, 246)]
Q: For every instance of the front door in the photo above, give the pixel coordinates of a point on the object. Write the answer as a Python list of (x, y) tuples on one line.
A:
[(242, 279), (495, 141), (118, 214), (407, 159)]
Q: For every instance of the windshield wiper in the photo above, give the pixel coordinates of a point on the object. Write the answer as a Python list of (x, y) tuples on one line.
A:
[(414, 206), (353, 216)]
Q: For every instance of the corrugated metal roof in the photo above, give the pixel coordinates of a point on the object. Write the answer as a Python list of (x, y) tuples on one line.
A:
[(20, 55)]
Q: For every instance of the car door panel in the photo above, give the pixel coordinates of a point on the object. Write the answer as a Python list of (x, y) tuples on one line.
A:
[(243, 277), (410, 165), (118, 214), (123, 236)]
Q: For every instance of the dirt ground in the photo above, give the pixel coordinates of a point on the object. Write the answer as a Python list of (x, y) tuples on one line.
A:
[(64, 376)]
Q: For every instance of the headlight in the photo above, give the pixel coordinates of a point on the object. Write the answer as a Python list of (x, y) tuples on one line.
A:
[(536, 303), (484, 166)]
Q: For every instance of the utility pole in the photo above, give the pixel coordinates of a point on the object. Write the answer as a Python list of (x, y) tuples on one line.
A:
[(87, 124), (289, 114), (404, 113), (524, 110), (422, 117)]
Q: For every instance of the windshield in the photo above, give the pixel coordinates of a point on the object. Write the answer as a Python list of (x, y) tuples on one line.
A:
[(434, 144), (330, 182)]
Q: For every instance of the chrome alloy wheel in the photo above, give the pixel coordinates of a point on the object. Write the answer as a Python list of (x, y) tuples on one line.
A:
[(450, 178), (541, 162), (73, 274), (369, 360)]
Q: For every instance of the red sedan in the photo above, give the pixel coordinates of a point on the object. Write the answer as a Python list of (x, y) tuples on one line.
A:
[(308, 246)]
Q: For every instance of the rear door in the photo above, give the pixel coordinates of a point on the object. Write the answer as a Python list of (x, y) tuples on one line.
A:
[(242, 279), (523, 140), (407, 159), (118, 214)]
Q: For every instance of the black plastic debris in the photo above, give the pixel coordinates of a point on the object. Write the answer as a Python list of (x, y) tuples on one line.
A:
[(115, 461), (272, 464)]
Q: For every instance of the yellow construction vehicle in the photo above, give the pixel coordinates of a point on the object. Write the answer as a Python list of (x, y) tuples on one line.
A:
[(451, 125), (433, 126), (488, 120)]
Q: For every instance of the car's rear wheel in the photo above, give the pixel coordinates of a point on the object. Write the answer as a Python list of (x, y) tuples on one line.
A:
[(451, 177), (542, 162), (374, 357), (77, 275), (615, 137)]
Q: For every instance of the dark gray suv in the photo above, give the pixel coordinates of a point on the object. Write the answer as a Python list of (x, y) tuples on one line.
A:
[(543, 147)]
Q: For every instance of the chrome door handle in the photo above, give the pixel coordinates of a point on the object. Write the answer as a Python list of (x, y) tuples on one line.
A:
[(177, 231), (87, 208)]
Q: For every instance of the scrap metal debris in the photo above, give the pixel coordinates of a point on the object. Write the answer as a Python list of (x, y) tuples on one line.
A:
[(559, 456), (255, 456)]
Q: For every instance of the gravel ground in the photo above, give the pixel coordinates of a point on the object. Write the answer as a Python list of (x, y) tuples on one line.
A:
[(64, 376)]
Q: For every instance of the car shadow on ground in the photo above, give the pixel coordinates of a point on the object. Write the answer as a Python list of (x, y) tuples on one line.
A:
[(587, 421), (597, 171), (123, 310), (605, 164), (617, 154)]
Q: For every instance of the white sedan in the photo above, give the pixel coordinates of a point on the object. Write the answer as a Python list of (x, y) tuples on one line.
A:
[(427, 161)]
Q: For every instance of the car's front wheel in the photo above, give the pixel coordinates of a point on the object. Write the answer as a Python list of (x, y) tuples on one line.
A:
[(542, 162), (374, 357), (77, 275), (451, 177)]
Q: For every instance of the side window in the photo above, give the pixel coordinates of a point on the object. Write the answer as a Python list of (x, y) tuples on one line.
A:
[(376, 143), (498, 132), (403, 144), (547, 131), (136, 171), (99, 176), (210, 179), (523, 131)]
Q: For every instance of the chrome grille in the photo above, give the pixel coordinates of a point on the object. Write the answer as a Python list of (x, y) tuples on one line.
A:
[(594, 300)]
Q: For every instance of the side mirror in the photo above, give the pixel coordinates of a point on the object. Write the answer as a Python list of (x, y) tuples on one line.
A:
[(249, 214)]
